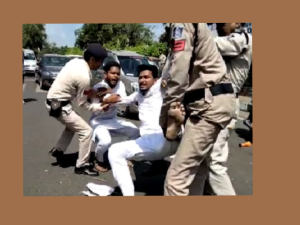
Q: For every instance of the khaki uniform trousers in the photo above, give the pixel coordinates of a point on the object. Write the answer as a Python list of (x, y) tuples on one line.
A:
[(75, 124), (218, 177), (190, 167)]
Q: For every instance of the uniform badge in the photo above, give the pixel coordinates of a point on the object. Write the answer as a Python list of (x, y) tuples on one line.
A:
[(177, 32)]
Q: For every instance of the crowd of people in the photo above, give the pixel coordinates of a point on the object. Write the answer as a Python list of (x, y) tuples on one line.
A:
[(187, 113)]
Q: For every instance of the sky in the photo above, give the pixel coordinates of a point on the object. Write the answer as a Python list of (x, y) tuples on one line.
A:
[(64, 34)]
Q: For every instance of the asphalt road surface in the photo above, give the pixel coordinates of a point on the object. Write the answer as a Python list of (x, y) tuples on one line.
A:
[(41, 178)]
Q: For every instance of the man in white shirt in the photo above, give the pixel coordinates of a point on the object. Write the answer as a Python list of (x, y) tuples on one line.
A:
[(106, 123), (74, 81), (151, 145)]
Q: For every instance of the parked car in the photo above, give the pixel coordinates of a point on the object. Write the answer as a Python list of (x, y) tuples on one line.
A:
[(129, 62), (30, 62), (48, 68), (75, 56)]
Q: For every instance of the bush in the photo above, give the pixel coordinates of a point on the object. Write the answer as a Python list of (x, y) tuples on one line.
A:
[(155, 49)]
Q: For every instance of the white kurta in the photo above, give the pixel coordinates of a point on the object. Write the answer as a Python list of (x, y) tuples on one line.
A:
[(148, 147), (106, 123)]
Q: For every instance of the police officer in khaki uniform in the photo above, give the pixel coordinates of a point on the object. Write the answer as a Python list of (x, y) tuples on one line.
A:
[(235, 45), (197, 78), (74, 81)]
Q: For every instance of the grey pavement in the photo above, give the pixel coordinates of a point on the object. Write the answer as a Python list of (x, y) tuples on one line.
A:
[(41, 178)]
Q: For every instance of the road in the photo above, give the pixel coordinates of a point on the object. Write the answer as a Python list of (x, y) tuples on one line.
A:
[(41, 178)]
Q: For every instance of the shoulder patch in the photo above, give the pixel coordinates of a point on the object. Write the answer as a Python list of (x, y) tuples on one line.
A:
[(178, 45), (177, 32)]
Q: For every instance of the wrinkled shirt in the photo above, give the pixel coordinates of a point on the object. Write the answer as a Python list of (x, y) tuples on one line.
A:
[(71, 82), (112, 111), (237, 54), (149, 106), (182, 75)]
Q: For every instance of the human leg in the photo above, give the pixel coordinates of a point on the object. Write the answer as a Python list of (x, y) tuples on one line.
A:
[(65, 139), (128, 129), (76, 124), (139, 149), (102, 139), (218, 178), (118, 154), (188, 171)]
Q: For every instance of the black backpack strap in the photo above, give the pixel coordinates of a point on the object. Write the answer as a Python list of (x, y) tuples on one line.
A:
[(195, 42)]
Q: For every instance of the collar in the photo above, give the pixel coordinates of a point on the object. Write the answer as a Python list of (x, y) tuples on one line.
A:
[(155, 89)]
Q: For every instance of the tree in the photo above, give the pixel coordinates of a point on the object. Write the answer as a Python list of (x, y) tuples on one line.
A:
[(74, 51), (116, 36), (34, 36), (164, 38)]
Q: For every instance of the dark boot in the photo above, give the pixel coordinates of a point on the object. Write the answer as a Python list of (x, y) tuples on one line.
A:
[(58, 154), (86, 170)]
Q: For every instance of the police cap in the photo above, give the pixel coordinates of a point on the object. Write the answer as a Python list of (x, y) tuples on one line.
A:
[(97, 51), (149, 67)]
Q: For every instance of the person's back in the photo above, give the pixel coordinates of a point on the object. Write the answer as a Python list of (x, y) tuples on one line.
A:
[(65, 85), (197, 78), (208, 67), (238, 59)]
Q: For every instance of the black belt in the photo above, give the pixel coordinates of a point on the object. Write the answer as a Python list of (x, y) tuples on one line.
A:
[(218, 89), (236, 95), (63, 103)]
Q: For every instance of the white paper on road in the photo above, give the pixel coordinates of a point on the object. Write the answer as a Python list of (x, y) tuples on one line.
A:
[(99, 190), (88, 193)]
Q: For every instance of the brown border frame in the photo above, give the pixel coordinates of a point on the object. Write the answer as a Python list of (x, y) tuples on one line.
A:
[(222, 210)]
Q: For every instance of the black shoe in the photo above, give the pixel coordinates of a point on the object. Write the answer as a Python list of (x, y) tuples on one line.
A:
[(58, 154), (248, 123), (86, 170)]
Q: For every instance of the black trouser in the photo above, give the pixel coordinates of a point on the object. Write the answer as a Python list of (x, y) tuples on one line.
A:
[(250, 117)]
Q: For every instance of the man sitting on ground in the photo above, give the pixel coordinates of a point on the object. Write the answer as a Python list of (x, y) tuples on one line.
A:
[(106, 122), (151, 145)]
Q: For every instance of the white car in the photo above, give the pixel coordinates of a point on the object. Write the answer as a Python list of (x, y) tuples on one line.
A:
[(30, 61)]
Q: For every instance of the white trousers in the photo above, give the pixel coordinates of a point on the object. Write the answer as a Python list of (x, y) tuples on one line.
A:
[(218, 177), (102, 134), (147, 147)]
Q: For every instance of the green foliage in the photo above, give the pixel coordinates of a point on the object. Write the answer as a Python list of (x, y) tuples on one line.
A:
[(155, 49), (34, 36), (74, 51), (135, 37), (114, 35)]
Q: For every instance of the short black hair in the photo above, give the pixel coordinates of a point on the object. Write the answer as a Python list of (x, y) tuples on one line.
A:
[(96, 51), (111, 64), (149, 67)]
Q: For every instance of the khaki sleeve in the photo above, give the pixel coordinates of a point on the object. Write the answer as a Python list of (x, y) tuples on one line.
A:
[(83, 84), (175, 76), (232, 45)]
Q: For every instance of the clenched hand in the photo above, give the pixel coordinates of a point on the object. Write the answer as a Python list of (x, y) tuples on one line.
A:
[(113, 98)]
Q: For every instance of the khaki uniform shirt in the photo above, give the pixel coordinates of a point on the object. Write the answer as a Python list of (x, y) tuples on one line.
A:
[(237, 54), (180, 75), (71, 82)]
